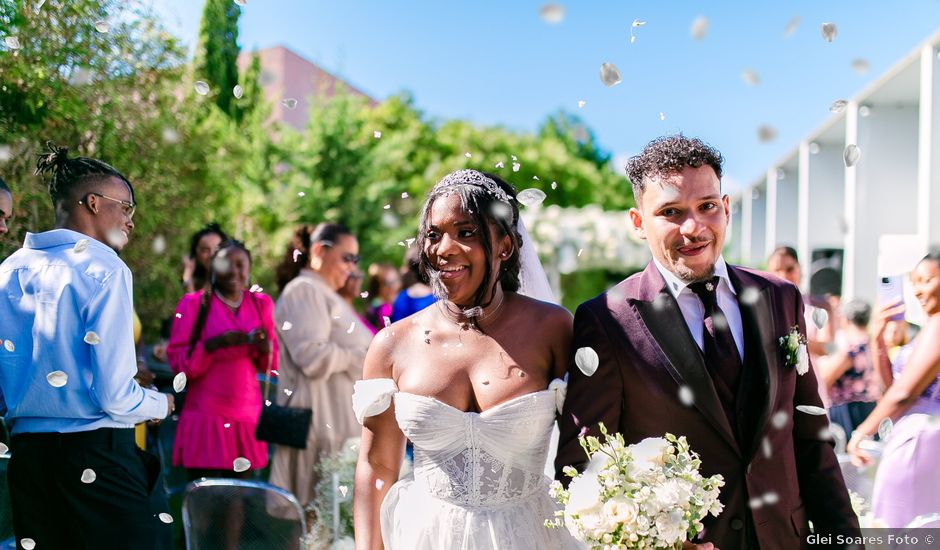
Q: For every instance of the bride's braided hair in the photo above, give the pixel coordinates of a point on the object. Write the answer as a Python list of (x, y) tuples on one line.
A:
[(491, 203), (71, 174)]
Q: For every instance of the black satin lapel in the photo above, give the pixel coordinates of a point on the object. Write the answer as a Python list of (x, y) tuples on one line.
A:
[(665, 322), (757, 316)]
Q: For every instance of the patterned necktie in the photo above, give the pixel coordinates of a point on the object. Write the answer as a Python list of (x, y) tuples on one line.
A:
[(721, 354)]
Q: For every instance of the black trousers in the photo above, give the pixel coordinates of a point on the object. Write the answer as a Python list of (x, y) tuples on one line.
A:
[(119, 510)]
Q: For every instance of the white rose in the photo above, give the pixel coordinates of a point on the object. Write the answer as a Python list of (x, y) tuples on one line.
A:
[(802, 360), (648, 453), (671, 527), (598, 462), (584, 493), (594, 523), (621, 510)]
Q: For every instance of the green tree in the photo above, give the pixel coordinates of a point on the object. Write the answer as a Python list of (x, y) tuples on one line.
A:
[(216, 56)]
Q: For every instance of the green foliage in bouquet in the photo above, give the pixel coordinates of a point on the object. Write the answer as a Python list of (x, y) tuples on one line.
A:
[(641, 496)]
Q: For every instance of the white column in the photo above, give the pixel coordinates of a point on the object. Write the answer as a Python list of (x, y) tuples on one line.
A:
[(770, 218), (928, 171), (747, 223), (802, 212)]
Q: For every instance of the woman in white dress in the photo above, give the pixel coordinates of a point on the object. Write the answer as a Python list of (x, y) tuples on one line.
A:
[(471, 382)]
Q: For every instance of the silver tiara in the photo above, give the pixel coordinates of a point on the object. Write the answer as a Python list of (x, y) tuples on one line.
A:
[(474, 178)]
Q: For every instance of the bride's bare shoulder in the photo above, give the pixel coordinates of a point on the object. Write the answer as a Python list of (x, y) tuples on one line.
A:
[(543, 311)]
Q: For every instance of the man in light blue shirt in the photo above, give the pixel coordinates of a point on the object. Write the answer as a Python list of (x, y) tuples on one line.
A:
[(67, 367)]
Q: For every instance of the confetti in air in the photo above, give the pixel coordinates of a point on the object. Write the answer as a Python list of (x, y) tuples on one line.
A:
[(27, 544), (237, 91), (179, 382), (287, 325), (636, 23), (552, 13), (102, 27), (376, 134), (829, 31), (861, 66), (201, 87), (686, 397), (811, 409), (289, 103), (91, 338), (57, 379), (89, 476), (343, 490), (4, 449), (884, 429), (851, 155), (766, 133), (12, 42), (241, 464), (699, 29), (516, 166), (379, 484), (750, 77), (610, 76), (820, 317), (791, 27), (158, 245), (241, 2), (838, 106), (80, 246), (165, 518), (8, 345), (586, 359), (530, 197), (779, 419), (581, 104)]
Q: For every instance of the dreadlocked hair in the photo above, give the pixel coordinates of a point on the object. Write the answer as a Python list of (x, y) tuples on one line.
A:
[(206, 296), (69, 174)]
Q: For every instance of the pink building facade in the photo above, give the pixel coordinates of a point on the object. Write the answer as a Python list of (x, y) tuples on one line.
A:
[(286, 75)]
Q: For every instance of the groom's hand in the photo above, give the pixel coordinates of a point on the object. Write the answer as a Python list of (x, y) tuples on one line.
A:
[(704, 546)]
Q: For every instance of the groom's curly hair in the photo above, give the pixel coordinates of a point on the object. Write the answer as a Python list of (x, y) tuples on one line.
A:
[(668, 155)]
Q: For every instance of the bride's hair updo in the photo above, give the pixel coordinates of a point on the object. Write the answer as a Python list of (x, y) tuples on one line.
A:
[(491, 204)]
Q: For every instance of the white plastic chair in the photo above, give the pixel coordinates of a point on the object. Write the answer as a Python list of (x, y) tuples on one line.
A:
[(234, 514)]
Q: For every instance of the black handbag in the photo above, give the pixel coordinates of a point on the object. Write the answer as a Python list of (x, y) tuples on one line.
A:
[(284, 425), (280, 424)]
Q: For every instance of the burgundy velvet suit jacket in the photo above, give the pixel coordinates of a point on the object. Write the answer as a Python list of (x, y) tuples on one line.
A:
[(647, 353)]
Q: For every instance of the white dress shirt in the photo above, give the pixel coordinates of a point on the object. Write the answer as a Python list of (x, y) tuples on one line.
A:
[(694, 312)]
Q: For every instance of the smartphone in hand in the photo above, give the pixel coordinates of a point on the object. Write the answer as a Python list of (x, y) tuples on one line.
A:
[(891, 291)]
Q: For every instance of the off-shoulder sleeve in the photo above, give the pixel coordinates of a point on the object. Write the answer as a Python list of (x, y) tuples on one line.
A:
[(372, 397), (559, 388)]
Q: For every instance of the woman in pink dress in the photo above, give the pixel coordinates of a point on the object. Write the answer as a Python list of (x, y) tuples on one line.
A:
[(221, 338)]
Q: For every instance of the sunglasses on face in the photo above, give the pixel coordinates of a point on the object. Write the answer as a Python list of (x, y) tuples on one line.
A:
[(129, 208), (348, 258)]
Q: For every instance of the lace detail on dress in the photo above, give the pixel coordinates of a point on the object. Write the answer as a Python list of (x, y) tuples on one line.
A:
[(486, 459), (478, 481)]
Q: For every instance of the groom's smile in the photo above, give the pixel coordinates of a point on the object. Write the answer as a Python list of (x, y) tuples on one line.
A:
[(684, 216)]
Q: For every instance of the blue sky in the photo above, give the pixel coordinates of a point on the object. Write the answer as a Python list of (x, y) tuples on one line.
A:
[(499, 63)]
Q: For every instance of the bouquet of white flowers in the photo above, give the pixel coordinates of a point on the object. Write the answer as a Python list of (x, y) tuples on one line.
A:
[(641, 496)]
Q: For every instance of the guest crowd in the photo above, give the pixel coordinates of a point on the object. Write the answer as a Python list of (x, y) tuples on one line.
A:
[(66, 301)]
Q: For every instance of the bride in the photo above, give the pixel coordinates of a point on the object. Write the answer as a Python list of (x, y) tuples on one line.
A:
[(471, 381)]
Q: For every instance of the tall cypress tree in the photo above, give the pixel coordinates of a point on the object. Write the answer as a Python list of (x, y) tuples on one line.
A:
[(216, 58)]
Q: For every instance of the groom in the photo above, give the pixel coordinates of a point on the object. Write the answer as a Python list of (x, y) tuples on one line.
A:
[(690, 346)]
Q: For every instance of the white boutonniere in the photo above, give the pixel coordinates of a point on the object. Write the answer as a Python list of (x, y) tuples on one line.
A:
[(794, 346)]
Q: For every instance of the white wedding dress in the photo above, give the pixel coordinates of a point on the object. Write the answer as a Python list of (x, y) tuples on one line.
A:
[(478, 480)]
